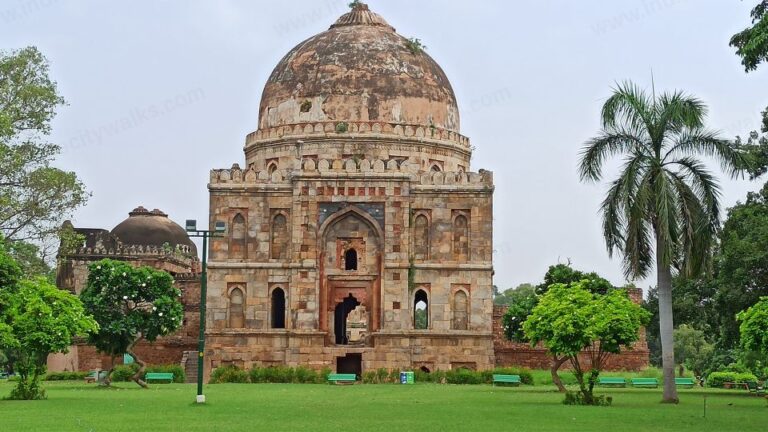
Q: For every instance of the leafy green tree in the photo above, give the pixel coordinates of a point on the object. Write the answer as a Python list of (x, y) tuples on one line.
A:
[(520, 301), (752, 43), (34, 196), (692, 350), (754, 327), (130, 304), (565, 274), (665, 204), (742, 266), (43, 320), (755, 148), (570, 320), (512, 295), (693, 304)]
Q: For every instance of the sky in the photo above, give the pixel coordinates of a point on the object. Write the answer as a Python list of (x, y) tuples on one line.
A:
[(161, 91)]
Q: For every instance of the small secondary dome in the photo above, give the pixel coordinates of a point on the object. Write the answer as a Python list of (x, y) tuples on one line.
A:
[(152, 228), (359, 70)]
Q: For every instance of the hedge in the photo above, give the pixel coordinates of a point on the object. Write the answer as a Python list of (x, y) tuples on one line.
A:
[(718, 379), (304, 375), (276, 374), (126, 372)]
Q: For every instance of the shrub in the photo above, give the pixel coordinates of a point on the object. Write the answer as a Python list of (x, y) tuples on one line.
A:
[(229, 374), (66, 376), (324, 372), (285, 374), (463, 376), (651, 372), (305, 375), (124, 372), (179, 376), (717, 379), (577, 398)]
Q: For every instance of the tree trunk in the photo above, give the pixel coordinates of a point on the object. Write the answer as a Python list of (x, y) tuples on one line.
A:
[(556, 363), (142, 366), (681, 370), (666, 325), (108, 379)]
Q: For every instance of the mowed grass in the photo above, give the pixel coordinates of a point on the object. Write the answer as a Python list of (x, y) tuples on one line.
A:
[(74, 406)]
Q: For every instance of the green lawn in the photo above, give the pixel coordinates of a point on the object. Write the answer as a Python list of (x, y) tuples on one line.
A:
[(423, 407)]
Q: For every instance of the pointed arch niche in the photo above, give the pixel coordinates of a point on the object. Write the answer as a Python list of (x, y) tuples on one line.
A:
[(280, 235), (238, 233), (350, 245)]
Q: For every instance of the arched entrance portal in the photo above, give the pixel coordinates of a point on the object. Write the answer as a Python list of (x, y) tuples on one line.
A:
[(341, 315), (350, 290)]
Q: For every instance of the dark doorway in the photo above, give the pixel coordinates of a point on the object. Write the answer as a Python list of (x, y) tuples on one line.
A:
[(350, 259), (340, 318), (278, 308), (350, 364)]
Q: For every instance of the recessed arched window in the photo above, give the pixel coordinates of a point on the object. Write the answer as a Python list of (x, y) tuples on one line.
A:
[(237, 237), (350, 259), (420, 310), (278, 308), (272, 167), (279, 243), (460, 238), (435, 168), (421, 238), (460, 310), (236, 314)]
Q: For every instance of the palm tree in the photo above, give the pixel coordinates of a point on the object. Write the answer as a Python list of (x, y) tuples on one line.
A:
[(663, 192)]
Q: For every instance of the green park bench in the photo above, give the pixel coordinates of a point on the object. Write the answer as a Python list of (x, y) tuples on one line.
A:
[(611, 382), (158, 376), (685, 382), (342, 378), (644, 382), (506, 379)]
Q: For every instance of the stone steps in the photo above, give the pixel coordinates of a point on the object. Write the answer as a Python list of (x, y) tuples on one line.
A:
[(189, 363)]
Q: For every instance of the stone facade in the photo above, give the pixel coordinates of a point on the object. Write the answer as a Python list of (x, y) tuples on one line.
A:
[(342, 222)]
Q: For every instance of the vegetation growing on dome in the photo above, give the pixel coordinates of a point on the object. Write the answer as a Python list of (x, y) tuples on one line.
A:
[(415, 46)]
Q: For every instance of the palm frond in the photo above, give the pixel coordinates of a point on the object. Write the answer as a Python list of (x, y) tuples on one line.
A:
[(702, 182), (629, 105), (638, 257), (608, 144), (678, 111), (699, 228), (732, 160)]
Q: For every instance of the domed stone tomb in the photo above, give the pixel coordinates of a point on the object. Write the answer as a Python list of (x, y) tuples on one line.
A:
[(357, 236), (153, 228)]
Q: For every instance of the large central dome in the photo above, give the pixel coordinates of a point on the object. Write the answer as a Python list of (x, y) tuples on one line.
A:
[(360, 70)]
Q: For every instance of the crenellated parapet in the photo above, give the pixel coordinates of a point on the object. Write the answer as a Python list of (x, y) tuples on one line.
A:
[(330, 129), (181, 253), (351, 167)]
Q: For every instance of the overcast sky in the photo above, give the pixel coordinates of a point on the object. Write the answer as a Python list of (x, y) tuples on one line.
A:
[(162, 91)]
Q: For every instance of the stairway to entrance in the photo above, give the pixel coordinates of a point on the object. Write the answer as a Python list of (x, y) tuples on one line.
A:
[(189, 363)]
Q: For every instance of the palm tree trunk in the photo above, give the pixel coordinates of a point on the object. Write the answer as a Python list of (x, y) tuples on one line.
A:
[(666, 325)]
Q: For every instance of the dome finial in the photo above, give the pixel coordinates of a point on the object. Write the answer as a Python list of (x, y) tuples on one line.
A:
[(361, 15)]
